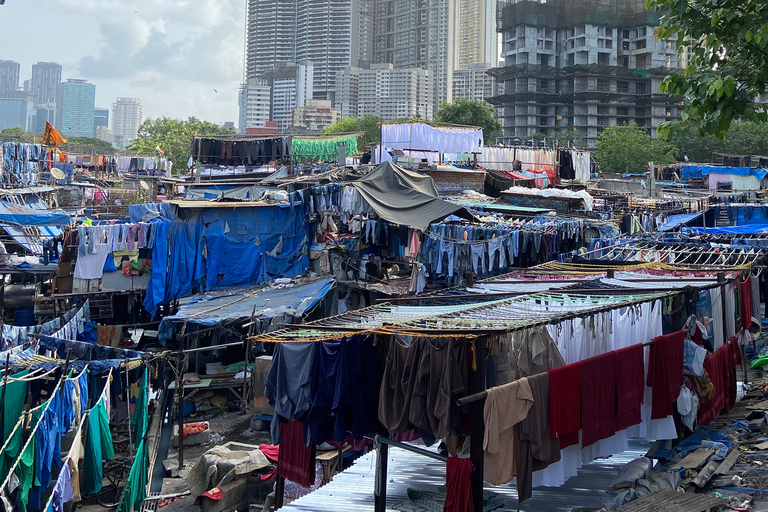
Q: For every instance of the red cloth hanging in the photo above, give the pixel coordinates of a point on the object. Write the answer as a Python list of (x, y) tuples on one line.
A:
[(565, 404), (630, 385), (296, 461), (458, 485), (745, 308), (598, 398), (665, 373)]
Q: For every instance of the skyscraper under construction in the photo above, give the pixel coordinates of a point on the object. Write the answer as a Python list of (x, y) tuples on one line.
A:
[(583, 64)]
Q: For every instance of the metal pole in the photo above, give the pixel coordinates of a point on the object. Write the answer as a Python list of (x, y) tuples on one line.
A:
[(180, 399), (476, 423), (128, 408), (380, 482)]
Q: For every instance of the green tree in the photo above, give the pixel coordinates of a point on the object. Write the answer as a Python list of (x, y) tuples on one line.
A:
[(174, 137), (569, 138), (368, 124), (97, 145), (472, 113), (728, 67), (629, 149), (17, 132), (743, 138)]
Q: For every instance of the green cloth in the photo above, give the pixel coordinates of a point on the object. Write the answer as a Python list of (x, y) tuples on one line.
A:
[(25, 471), (325, 150), (13, 405), (136, 485), (98, 448)]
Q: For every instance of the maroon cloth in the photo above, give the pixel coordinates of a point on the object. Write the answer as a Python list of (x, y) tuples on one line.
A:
[(665, 373), (565, 404), (630, 385), (698, 336), (733, 362), (270, 451), (458, 485), (598, 398), (745, 308), (722, 372), (296, 461)]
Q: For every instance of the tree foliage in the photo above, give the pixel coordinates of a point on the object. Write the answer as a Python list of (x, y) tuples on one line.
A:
[(16, 132), (471, 113), (728, 67), (629, 149), (174, 137), (367, 124), (97, 145), (743, 138)]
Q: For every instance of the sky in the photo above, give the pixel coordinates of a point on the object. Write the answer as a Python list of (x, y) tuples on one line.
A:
[(181, 58)]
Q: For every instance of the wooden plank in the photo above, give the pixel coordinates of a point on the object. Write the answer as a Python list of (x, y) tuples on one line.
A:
[(673, 500), (695, 460), (728, 463), (761, 446)]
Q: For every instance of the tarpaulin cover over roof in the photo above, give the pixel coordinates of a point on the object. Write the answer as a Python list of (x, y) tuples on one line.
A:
[(751, 229), (210, 248), (235, 304), (25, 216), (405, 197), (699, 171), (676, 221)]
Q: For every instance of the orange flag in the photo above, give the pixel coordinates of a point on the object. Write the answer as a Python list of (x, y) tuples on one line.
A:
[(51, 136)]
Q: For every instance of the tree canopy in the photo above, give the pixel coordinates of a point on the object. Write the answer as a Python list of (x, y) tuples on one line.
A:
[(367, 124), (743, 138), (472, 113), (629, 149), (97, 145), (16, 132), (174, 137), (727, 41)]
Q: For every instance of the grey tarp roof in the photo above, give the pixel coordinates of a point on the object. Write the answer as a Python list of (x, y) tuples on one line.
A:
[(405, 197)]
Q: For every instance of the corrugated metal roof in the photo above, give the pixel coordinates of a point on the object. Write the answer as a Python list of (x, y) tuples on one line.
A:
[(352, 490), (673, 500)]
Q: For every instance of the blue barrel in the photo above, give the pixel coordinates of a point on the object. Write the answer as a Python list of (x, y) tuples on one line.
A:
[(24, 317)]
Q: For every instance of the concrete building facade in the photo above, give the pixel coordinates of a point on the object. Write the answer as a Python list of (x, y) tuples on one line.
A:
[(254, 102), (17, 110), (127, 115), (46, 77), (9, 77), (418, 34), (315, 116), (74, 108), (583, 64), (334, 34), (100, 118), (475, 36), (474, 83), (385, 91)]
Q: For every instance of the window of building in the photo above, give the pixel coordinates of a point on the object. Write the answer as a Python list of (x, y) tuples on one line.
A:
[(626, 62), (625, 45), (603, 85), (640, 88), (622, 86), (603, 59), (641, 32), (603, 110), (542, 111), (625, 34), (640, 45)]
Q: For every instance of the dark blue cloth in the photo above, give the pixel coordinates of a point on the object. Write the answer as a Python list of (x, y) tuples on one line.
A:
[(331, 380)]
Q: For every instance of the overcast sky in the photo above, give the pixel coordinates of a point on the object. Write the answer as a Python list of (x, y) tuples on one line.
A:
[(172, 54)]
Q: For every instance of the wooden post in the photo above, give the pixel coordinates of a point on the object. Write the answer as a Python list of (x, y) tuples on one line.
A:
[(476, 423), (721, 280), (380, 482)]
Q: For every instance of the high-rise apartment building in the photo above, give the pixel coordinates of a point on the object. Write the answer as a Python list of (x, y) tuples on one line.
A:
[(254, 102), (9, 77), (74, 108), (334, 34), (475, 37), (418, 34), (347, 91), (127, 115), (16, 110), (387, 92), (585, 64), (474, 83), (100, 118), (46, 77), (315, 116)]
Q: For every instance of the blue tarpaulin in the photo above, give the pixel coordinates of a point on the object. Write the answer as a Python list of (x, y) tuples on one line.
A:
[(145, 212), (231, 305), (211, 248), (700, 171), (25, 216), (677, 221), (732, 230)]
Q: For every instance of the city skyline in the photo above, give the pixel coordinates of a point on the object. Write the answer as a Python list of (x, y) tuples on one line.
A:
[(181, 62)]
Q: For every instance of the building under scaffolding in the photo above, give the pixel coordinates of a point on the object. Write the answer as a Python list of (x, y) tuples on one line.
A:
[(586, 64)]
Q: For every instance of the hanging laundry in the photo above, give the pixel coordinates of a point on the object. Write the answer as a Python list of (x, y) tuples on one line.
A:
[(458, 485), (665, 372), (296, 461), (98, 448)]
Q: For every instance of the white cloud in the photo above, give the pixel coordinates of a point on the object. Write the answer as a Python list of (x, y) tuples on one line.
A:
[(172, 54)]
